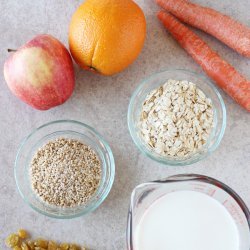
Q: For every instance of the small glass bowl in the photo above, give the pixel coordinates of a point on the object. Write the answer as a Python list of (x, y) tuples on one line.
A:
[(67, 129), (159, 79)]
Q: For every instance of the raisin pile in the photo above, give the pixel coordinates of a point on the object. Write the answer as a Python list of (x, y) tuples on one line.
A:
[(21, 241)]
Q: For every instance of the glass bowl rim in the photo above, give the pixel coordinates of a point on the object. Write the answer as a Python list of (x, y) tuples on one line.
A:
[(166, 161), (92, 206)]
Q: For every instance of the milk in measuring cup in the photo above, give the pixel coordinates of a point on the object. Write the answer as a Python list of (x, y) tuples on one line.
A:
[(186, 220)]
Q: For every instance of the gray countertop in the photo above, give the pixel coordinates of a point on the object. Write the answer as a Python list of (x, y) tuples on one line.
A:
[(102, 103)]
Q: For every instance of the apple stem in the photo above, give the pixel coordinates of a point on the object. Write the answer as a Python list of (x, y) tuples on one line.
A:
[(11, 50)]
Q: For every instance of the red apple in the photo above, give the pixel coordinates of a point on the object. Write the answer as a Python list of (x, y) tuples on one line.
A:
[(41, 73)]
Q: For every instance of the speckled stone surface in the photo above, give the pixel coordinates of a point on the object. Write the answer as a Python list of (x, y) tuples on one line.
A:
[(102, 103)]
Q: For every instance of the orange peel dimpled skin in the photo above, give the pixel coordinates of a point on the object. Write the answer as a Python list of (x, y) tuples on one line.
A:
[(106, 36)]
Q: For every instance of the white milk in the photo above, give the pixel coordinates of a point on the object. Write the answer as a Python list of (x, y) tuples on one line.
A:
[(186, 220)]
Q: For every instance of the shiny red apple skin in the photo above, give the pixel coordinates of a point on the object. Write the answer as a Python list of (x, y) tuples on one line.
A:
[(41, 73)]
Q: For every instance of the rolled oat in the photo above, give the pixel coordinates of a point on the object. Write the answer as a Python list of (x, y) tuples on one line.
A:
[(176, 119)]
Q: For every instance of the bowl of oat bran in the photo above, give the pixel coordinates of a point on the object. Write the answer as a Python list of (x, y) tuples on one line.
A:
[(176, 117), (64, 169)]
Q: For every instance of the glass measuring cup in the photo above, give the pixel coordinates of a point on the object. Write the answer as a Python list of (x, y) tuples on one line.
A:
[(145, 194)]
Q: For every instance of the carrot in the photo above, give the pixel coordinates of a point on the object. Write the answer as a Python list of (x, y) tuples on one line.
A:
[(226, 77), (227, 30)]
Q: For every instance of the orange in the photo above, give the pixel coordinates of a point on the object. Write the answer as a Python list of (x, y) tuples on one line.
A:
[(107, 35)]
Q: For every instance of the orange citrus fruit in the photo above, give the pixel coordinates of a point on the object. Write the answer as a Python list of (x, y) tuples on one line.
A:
[(107, 35)]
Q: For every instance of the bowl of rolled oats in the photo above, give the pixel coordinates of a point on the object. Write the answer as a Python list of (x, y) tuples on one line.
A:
[(176, 117), (64, 169)]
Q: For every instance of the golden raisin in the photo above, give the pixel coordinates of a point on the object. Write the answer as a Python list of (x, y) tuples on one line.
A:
[(41, 243), (22, 233), (73, 247), (52, 245), (24, 246), (40, 248), (16, 248), (12, 240), (31, 244), (64, 246)]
